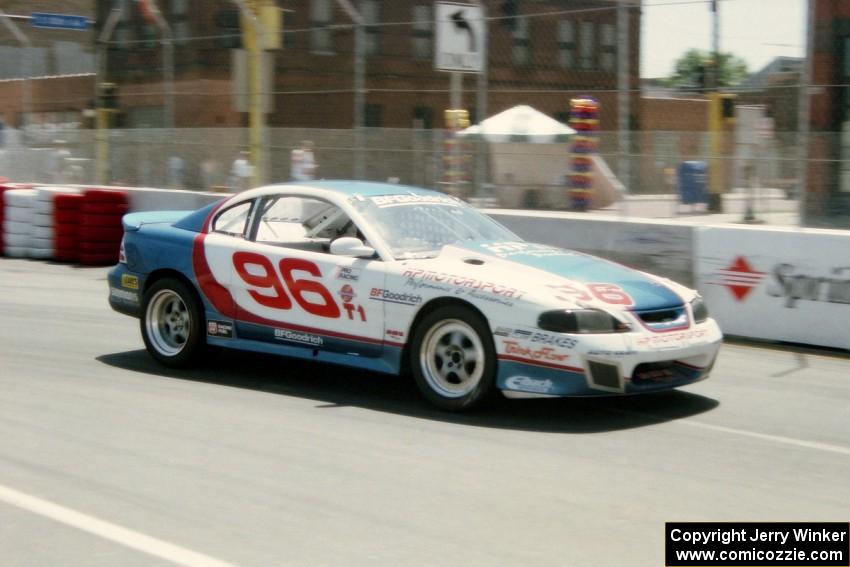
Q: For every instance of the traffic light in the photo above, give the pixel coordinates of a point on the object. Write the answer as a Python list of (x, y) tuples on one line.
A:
[(228, 21), (107, 96)]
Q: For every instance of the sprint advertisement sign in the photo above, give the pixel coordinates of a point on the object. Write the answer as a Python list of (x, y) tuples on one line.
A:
[(778, 284)]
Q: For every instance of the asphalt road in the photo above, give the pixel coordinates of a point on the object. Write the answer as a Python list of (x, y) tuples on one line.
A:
[(109, 459)]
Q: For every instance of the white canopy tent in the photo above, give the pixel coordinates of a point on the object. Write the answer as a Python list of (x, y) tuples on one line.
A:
[(529, 160), (522, 124)]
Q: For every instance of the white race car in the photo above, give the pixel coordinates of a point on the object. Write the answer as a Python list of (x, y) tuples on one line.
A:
[(395, 279)]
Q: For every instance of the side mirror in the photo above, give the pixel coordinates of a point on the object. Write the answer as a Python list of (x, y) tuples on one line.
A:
[(351, 247)]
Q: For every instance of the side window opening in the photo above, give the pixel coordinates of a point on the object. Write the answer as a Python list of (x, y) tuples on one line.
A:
[(233, 221), (302, 222)]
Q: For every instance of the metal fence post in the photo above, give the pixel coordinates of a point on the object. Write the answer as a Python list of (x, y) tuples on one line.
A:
[(803, 114), (26, 68)]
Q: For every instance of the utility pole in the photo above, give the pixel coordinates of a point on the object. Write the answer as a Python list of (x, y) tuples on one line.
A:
[(167, 40), (103, 111), (253, 35), (623, 93), (481, 106), (803, 114), (359, 84), (715, 119)]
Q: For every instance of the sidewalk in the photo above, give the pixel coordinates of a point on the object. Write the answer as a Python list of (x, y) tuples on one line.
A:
[(769, 206)]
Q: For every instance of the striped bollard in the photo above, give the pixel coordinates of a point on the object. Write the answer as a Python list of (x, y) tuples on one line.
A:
[(584, 119)]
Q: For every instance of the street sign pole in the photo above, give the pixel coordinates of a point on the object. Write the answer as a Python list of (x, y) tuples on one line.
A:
[(456, 89), (459, 48)]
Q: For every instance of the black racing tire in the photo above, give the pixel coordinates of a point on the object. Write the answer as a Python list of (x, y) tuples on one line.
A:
[(172, 324), (452, 358)]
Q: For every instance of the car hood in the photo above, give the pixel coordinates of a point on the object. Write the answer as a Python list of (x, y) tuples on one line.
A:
[(543, 272)]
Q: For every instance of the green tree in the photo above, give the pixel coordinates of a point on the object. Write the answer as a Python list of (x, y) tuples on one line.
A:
[(695, 63)]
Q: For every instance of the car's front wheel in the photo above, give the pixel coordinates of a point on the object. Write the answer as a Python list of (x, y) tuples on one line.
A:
[(453, 359), (172, 323)]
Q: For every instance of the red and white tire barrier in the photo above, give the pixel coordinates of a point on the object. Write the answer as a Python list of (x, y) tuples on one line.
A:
[(18, 205), (100, 230), (66, 226), (43, 243)]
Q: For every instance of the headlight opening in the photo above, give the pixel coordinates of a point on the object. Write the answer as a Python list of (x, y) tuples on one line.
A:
[(581, 321), (699, 310)]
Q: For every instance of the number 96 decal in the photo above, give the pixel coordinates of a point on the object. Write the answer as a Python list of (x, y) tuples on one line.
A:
[(274, 290), (608, 293)]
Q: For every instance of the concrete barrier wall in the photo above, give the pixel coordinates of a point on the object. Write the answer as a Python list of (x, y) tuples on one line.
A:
[(662, 248), (149, 199), (759, 282)]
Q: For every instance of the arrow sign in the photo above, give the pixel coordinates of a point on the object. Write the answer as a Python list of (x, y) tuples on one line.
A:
[(59, 21), (461, 24), (461, 37)]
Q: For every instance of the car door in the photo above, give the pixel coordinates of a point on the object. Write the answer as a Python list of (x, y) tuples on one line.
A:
[(290, 290)]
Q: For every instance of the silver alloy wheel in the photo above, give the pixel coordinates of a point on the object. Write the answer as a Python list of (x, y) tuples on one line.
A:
[(452, 358), (168, 322)]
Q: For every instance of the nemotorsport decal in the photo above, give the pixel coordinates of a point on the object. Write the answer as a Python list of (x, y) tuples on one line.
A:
[(450, 283), (668, 340), (402, 298)]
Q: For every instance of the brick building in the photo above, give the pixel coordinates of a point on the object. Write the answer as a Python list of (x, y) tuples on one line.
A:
[(540, 53), (53, 53), (829, 172)]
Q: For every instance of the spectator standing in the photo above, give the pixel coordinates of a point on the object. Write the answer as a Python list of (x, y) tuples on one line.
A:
[(175, 172), (241, 172), (60, 157), (303, 166)]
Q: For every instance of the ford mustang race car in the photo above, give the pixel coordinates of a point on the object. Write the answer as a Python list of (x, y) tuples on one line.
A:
[(404, 280)]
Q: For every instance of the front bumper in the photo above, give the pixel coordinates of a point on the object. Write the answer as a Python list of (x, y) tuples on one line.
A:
[(623, 363)]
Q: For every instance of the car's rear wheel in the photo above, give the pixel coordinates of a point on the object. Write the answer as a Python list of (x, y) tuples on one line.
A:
[(172, 323), (453, 359)]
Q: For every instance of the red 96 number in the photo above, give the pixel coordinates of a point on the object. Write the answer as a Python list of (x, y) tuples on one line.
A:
[(271, 291), (609, 293)]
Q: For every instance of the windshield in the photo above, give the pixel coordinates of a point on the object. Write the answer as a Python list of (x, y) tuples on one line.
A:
[(418, 226)]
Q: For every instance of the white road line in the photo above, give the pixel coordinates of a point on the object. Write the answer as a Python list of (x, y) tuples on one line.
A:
[(763, 436), (112, 532), (776, 438)]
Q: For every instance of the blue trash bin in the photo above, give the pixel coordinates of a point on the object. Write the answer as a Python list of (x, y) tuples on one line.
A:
[(692, 182)]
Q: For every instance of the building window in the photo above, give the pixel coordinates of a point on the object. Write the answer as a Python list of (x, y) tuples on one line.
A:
[(321, 18), (587, 46), (423, 117), (371, 12), (422, 32), (607, 57), (566, 44), (521, 42), (374, 116)]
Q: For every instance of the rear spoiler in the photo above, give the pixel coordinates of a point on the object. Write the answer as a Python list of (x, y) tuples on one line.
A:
[(134, 221)]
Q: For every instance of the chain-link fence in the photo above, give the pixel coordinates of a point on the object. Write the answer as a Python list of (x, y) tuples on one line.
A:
[(373, 107)]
